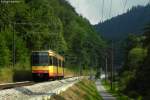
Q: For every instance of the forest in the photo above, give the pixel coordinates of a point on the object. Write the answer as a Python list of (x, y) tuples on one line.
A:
[(130, 34), (53, 24), (134, 76), (41, 25), (117, 29), (119, 26)]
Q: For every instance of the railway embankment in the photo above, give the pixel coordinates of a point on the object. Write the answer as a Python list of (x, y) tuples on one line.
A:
[(39, 91), (83, 90)]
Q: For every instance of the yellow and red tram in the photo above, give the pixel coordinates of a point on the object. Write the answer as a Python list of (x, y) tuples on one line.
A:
[(47, 65)]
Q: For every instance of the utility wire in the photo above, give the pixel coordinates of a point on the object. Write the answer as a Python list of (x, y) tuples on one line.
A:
[(103, 2), (110, 8), (147, 2), (78, 7), (125, 5), (122, 3)]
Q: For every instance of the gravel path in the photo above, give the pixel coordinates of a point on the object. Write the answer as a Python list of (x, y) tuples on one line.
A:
[(105, 95), (40, 91)]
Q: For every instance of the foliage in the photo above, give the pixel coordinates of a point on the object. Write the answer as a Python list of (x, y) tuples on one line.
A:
[(133, 80), (4, 77), (4, 51), (83, 90), (119, 27), (115, 91), (43, 25), (133, 21), (136, 57)]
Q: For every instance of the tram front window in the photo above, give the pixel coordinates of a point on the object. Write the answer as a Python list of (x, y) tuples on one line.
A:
[(40, 59)]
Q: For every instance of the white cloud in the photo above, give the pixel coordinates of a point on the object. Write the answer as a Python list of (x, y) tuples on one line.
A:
[(92, 9)]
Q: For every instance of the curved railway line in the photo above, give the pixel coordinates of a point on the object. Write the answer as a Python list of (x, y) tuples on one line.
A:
[(35, 91), (17, 84), (24, 83)]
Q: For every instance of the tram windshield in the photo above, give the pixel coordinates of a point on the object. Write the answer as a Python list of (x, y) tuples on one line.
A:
[(40, 59)]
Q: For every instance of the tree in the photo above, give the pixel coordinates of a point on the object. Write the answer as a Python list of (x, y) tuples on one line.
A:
[(4, 53)]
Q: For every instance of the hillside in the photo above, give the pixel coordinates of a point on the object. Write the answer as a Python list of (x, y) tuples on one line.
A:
[(120, 26), (84, 90), (42, 25)]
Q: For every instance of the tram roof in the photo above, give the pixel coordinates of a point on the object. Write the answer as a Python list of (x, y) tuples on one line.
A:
[(51, 53)]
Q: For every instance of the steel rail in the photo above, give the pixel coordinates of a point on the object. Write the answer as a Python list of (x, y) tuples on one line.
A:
[(25, 83), (17, 84)]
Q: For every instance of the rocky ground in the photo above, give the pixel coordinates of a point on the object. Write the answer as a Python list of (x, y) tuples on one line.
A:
[(39, 91)]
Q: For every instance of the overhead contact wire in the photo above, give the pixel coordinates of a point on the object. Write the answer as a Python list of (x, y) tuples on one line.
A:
[(103, 2), (110, 8), (125, 5)]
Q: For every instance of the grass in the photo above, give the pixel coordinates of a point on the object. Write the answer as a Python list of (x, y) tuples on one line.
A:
[(6, 75), (69, 72), (18, 73), (74, 71), (84, 90), (115, 91)]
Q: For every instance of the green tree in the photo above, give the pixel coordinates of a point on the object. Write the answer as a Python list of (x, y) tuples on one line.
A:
[(4, 53)]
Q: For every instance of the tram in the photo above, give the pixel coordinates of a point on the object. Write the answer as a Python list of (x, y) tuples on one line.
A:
[(47, 65)]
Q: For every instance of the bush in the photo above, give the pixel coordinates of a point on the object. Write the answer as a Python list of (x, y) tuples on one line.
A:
[(133, 94), (97, 76), (4, 52), (125, 79)]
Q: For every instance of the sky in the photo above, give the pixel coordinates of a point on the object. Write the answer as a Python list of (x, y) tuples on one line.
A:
[(92, 9)]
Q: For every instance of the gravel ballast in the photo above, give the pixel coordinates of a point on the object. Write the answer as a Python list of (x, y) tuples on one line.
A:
[(40, 91)]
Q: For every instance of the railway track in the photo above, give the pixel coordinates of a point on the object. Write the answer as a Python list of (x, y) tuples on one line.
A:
[(24, 83), (17, 84), (37, 91)]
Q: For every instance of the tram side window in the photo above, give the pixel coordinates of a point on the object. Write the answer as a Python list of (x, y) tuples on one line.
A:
[(51, 60), (63, 64), (60, 63), (55, 62)]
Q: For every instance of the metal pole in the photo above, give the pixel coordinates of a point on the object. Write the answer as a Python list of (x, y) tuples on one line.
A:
[(96, 65), (14, 53), (112, 67), (79, 69), (105, 68)]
